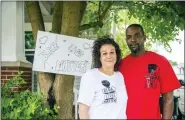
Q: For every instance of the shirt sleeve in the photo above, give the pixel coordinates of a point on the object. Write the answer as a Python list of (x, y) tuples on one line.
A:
[(168, 78), (86, 92)]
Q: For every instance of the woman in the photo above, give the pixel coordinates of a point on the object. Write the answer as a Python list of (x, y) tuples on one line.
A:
[(102, 92)]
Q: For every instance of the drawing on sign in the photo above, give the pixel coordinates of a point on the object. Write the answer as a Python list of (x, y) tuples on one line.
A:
[(48, 65), (48, 51), (86, 46), (62, 54), (71, 66), (73, 49), (43, 40)]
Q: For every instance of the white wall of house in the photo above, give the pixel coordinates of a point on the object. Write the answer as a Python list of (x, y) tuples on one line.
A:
[(179, 70), (13, 31)]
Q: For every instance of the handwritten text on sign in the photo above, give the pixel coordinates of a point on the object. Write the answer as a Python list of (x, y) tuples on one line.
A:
[(62, 54)]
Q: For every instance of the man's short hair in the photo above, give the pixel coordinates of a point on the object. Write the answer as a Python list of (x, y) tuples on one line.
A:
[(136, 25)]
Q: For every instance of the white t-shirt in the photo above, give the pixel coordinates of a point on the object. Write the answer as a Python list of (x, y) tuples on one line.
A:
[(105, 95)]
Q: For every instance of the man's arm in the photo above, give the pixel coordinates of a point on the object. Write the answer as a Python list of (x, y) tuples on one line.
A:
[(168, 105)]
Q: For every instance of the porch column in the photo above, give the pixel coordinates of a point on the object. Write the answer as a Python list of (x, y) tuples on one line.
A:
[(13, 44)]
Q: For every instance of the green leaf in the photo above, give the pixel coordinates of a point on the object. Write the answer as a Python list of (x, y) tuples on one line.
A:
[(23, 105)]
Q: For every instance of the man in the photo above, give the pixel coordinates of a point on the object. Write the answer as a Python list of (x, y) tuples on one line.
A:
[(147, 76)]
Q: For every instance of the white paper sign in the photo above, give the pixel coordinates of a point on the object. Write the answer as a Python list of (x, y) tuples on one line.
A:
[(62, 54)]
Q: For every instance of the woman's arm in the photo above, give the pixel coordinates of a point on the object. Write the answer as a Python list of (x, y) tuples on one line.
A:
[(83, 111)]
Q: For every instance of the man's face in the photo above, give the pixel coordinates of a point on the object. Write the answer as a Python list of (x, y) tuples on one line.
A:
[(135, 39)]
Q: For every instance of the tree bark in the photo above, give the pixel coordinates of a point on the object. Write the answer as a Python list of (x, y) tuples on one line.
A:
[(35, 17), (82, 10), (57, 17), (63, 85), (44, 79)]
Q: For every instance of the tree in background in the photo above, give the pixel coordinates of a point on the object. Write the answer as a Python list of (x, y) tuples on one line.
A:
[(173, 63), (121, 22), (161, 20), (68, 16)]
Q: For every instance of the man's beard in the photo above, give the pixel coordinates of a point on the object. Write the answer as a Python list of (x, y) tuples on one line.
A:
[(135, 51)]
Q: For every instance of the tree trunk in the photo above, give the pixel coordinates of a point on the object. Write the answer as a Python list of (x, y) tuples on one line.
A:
[(57, 17), (82, 10), (63, 85), (36, 19)]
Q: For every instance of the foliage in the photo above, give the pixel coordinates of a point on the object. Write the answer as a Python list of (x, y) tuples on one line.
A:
[(162, 20), (173, 63), (92, 14), (121, 23), (25, 104), (29, 41)]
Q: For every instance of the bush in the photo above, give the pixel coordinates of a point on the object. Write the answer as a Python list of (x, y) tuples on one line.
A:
[(24, 104)]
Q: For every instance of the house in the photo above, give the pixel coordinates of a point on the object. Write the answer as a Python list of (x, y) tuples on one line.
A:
[(13, 52), (179, 70)]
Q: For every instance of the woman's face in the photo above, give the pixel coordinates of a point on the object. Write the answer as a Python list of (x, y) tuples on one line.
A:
[(108, 56)]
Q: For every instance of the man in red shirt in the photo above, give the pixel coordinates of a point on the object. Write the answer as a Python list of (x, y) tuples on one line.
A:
[(147, 76)]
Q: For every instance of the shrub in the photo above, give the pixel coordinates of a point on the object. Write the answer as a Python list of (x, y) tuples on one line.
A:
[(24, 104)]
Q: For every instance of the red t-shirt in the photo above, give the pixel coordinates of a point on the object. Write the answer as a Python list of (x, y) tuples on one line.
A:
[(146, 77)]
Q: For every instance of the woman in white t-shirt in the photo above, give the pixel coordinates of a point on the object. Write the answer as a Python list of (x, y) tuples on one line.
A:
[(102, 92)]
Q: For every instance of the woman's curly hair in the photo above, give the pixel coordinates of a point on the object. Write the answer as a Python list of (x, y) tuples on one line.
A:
[(96, 51)]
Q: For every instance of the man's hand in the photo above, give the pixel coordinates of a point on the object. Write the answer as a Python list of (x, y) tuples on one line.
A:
[(168, 105)]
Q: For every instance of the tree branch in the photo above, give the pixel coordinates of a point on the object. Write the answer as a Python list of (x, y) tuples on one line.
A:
[(90, 25), (99, 22), (106, 10)]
